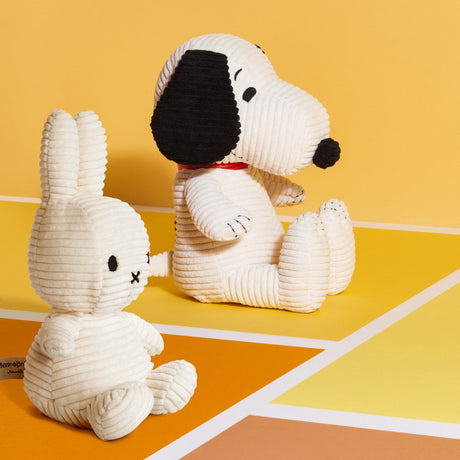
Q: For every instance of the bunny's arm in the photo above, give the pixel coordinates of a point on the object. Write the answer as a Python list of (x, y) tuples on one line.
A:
[(153, 342), (281, 190), (58, 334), (212, 212)]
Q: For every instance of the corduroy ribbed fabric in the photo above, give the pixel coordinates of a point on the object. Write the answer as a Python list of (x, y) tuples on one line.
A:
[(230, 245), (88, 259)]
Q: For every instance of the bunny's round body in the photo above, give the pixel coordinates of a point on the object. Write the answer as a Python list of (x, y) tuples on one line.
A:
[(236, 129), (108, 352), (90, 364)]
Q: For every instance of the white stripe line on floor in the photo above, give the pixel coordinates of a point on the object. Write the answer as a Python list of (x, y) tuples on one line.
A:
[(388, 226), (201, 332), (19, 199), (356, 420), (234, 414), (358, 224), (26, 199), (160, 209), (406, 227), (244, 336), (22, 315)]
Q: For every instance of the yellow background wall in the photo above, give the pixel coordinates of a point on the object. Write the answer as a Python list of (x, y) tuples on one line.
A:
[(387, 71)]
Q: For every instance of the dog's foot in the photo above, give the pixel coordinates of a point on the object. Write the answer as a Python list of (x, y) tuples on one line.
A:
[(304, 265), (334, 215), (334, 208), (172, 384)]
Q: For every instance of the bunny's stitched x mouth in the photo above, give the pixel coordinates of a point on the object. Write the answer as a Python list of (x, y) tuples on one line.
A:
[(135, 277)]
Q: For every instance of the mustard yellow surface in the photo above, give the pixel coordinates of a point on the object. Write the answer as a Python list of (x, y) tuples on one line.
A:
[(387, 71), (392, 266), (409, 370)]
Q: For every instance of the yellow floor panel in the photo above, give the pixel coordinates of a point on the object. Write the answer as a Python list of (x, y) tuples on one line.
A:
[(392, 266), (409, 370)]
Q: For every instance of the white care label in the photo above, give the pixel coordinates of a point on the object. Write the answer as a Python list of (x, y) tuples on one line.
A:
[(12, 368)]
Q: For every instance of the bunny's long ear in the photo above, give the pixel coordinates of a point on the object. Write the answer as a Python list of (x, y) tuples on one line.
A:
[(59, 156), (93, 153), (195, 121)]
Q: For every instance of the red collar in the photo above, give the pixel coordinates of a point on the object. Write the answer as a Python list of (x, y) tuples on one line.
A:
[(232, 166)]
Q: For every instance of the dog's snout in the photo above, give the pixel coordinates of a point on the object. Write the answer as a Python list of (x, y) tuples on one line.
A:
[(135, 277), (327, 153)]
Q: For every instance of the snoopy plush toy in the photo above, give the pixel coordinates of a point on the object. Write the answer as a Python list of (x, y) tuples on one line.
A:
[(235, 130), (89, 365)]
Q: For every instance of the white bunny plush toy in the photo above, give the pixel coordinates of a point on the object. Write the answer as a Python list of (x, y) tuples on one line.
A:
[(235, 129), (89, 365)]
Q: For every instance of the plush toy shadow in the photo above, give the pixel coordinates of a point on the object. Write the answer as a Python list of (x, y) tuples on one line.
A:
[(89, 365), (235, 129)]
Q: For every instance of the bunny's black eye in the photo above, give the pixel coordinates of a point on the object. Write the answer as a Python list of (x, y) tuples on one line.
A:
[(148, 258), (112, 263), (249, 93)]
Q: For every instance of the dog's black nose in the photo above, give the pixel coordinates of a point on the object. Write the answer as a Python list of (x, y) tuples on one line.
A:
[(327, 153), (135, 277)]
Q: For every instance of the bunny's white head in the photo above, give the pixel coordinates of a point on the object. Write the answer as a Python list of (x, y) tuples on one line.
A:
[(87, 253)]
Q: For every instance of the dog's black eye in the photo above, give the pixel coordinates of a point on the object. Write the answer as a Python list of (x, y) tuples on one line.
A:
[(260, 49), (112, 263), (148, 258), (249, 93)]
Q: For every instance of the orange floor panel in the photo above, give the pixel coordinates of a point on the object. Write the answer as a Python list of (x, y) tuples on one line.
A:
[(228, 372)]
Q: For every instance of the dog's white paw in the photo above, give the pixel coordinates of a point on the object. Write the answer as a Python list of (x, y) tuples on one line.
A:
[(229, 229), (298, 196), (238, 226)]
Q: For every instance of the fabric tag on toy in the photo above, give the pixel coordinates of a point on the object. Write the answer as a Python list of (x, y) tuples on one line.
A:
[(12, 368)]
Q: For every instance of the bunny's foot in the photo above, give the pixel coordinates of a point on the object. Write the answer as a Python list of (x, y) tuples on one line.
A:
[(172, 384), (334, 215), (63, 414), (116, 412)]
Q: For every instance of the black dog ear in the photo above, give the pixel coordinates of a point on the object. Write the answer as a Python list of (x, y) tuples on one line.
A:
[(195, 121)]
